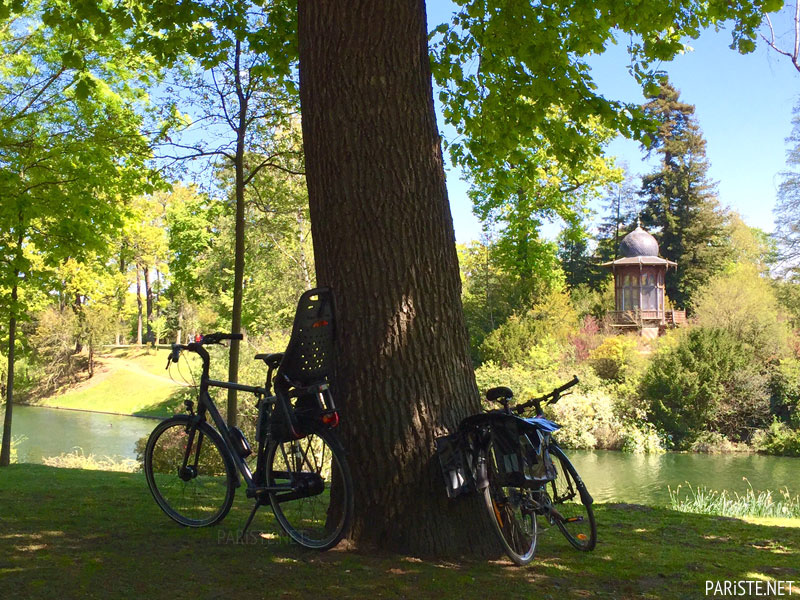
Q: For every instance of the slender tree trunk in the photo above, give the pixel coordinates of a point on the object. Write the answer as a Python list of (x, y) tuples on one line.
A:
[(148, 295), (238, 263), (5, 451), (76, 308), (139, 305), (5, 448), (301, 238), (384, 241)]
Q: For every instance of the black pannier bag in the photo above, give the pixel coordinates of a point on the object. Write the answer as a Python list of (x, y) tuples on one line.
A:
[(458, 478), (521, 457)]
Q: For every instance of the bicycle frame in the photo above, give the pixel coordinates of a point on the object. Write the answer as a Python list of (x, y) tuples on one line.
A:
[(255, 483)]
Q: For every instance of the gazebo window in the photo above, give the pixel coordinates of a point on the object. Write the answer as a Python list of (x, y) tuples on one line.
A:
[(630, 292), (649, 292)]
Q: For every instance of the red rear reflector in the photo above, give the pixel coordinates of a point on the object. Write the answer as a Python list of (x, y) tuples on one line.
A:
[(331, 419), (320, 324)]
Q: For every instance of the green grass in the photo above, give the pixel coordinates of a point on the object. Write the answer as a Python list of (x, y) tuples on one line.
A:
[(132, 381), (90, 534), (704, 501)]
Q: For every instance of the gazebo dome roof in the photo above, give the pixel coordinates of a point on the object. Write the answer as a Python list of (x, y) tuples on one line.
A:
[(638, 243)]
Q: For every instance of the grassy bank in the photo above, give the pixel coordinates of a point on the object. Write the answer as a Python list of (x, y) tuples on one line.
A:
[(91, 534), (128, 381)]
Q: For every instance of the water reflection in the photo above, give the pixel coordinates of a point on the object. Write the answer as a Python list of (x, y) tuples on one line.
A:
[(644, 478), (610, 476), (50, 431)]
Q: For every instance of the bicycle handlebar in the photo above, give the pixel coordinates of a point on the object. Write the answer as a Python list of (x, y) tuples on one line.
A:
[(550, 398), (200, 341)]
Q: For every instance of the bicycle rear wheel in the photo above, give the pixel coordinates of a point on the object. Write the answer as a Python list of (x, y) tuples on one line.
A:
[(569, 504), (511, 510), (317, 506), (187, 472)]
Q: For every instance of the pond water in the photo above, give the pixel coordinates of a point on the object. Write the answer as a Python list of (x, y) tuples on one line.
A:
[(609, 476), (51, 431), (644, 478)]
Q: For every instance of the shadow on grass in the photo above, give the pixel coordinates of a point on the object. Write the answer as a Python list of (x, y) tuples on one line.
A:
[(171, 405), (86, 534)]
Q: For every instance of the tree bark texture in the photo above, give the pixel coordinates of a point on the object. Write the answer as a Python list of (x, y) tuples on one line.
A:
[(5, 449), (384, 241)]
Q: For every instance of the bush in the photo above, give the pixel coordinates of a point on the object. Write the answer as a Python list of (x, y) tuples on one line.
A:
[(785, 392), (542, 332), (706, 380), (778, 439), (642, 439), (615, 358), (712, 442)]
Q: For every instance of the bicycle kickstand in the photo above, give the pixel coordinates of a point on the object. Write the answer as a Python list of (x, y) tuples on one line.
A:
[(250, 518)]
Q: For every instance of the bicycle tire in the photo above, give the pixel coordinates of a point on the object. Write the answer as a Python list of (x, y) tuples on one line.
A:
[(512, 512), (573, 513), (321, 519), (198, 494)]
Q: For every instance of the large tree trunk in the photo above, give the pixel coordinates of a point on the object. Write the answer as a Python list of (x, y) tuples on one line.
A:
[(384, 241), (5, 450)]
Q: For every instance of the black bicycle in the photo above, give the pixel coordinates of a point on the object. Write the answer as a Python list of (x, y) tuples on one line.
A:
[(509, 459), (193, 466)]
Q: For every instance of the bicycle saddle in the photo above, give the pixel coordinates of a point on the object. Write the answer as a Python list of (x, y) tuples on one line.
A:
[(272, 359), (499, 392)]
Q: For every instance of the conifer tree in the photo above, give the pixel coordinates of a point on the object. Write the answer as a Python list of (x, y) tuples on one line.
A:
[(680, 203)]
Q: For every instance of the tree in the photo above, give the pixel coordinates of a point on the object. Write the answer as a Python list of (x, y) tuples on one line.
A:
[(622, 206), (383, 240), (680, 202), (383, 236), (71, 149), (787, 208), (239, 100), (794, 53)]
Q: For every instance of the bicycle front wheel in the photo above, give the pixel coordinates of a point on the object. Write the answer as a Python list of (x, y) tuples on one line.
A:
[(570, 505), (187, 472), (315, 506), (512, 512)]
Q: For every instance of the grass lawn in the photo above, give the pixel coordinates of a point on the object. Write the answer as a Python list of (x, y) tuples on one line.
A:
[(127, 381), (90, 534)]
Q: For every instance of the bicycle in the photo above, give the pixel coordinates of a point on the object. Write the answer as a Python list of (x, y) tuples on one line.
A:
[(509, 460), (193, 467)]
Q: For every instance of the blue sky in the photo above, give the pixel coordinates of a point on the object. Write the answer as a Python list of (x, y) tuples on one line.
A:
[(743, 105)]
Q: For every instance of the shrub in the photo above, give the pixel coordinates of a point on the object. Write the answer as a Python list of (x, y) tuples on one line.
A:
[(615, 358), (706, 380), (778, 439), (543, 330), (641, 439), (712, 442), (785, 391), (743, 303), (587, 421)]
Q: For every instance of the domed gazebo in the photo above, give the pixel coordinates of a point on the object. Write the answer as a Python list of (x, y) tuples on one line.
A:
[(639, 283)]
